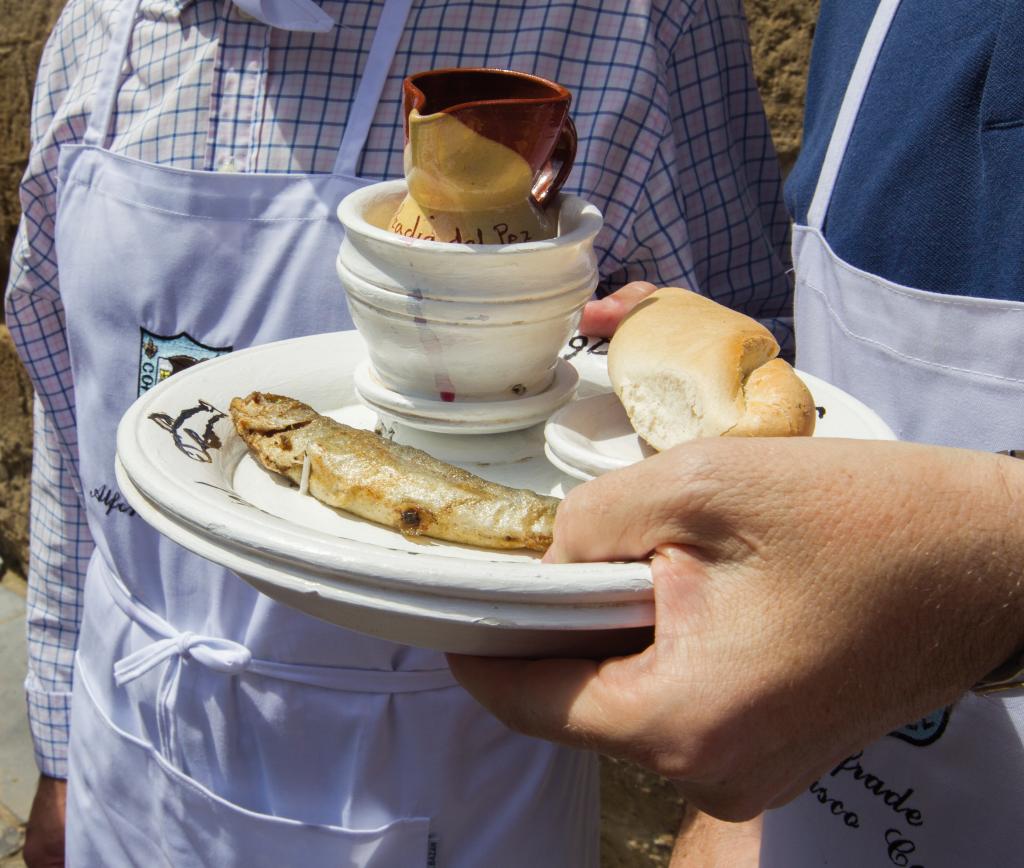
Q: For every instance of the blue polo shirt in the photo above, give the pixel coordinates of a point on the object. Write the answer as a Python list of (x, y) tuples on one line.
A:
[(931, 191)]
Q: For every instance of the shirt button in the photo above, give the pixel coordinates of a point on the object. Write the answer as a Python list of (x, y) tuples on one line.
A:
[(229, 164)]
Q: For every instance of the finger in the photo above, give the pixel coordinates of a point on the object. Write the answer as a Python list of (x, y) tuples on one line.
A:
[(593, 522), (602, 317), (579, 703), (625, 514), (601, 519), (817, 765), (737, 793), (680, 605), (733, 802), (787, 795), (751, 790)]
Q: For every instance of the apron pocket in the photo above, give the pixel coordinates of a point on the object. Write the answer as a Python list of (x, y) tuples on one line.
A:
[(128, 806)]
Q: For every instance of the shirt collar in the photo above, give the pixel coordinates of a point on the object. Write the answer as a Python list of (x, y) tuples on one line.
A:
[(299, 15)]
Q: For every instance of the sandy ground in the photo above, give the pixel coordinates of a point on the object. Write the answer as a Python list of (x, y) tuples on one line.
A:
[(640, 814)]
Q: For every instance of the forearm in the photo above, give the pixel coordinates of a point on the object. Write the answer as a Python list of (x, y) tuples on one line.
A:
[(985, 516), (704, 842), (950, 525), (60, 548), (60, 544)]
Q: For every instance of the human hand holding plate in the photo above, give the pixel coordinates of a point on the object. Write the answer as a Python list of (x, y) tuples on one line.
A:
[(810, 596)]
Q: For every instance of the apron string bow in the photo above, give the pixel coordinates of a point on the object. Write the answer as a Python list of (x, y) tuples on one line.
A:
[(221, 655)]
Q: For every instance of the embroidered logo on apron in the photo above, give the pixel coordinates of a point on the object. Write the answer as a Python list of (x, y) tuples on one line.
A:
[(925, 731), (163, 355)]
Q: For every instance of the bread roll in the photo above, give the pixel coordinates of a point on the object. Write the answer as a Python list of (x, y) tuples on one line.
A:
[(684, 367)]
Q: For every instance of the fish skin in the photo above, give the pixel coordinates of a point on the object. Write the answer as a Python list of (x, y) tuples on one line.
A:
[(398, 486)]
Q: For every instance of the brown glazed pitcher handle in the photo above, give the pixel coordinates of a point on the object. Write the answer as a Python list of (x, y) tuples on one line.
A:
[(551, 178)]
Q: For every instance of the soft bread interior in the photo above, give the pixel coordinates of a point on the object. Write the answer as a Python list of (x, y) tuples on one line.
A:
[(667, 407), (684, 366)]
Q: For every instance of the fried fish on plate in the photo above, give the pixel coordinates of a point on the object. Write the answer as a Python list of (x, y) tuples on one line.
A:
[(397, 486)]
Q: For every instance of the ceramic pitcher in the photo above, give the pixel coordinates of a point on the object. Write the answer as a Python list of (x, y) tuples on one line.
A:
[(486, 151)]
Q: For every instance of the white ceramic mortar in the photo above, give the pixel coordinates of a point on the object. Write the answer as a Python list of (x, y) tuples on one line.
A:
[(464, 322)]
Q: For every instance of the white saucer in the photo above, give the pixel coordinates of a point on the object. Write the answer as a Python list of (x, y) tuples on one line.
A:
[(465, 417), (593, 435)]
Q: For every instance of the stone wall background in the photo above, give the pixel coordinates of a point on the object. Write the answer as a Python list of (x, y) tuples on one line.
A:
[(23, 31), (641, 812), (780, 36)]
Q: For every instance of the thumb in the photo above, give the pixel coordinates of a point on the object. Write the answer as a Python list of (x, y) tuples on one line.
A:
[(580, 703), (681, 579)]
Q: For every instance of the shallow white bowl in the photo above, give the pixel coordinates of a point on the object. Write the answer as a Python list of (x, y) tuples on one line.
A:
[(356, 573), (464, 322)]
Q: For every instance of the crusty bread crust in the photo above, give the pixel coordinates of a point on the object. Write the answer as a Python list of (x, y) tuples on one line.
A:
[(685, 367), (779, 404)]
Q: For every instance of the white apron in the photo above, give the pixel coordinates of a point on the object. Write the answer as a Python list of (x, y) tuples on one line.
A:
[(947, 790), (210, 725)]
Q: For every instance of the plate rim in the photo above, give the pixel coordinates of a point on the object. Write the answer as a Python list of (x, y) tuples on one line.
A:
[(634, 611)]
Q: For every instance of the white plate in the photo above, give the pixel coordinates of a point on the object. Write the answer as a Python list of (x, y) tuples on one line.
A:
[(203, 490), (207, 493), (593, 435), (505, 628)]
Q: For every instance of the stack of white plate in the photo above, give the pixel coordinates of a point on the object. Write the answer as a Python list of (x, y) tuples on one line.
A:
[(342, 569), (209, 495)]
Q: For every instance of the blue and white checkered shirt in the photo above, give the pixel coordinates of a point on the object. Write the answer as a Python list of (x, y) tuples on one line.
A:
[(674, 149)]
